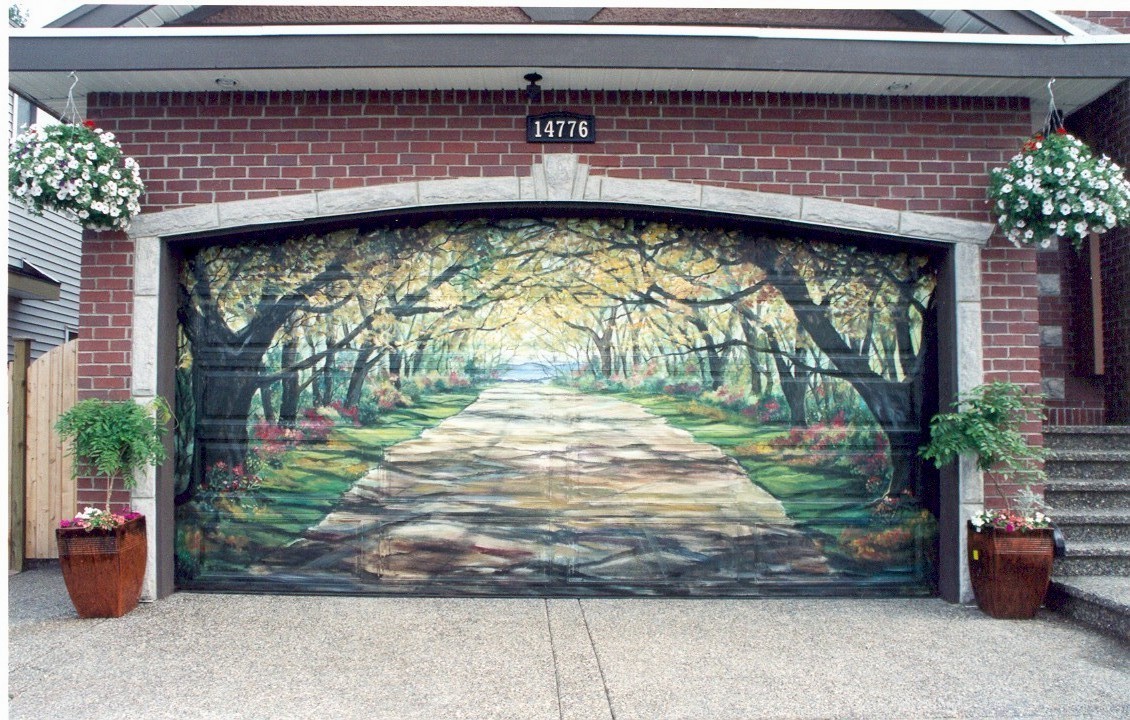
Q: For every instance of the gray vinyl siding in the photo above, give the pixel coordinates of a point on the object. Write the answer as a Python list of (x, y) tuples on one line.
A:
[(52, 244)]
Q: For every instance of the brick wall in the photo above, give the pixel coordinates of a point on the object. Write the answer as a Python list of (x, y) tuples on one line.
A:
[(105, 309), (1114, 19), (924, 155), (1010, 317), (1105, 125), (1116, 324), (1075, 395), (928, 155)]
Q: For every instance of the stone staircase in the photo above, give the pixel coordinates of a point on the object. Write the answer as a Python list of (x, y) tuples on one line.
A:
[(1088, 489)]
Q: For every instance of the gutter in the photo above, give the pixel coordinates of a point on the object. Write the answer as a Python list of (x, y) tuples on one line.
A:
[(1074, 36)]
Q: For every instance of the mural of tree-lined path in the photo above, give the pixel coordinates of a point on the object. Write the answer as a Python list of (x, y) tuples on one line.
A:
[(604, 404), (538, 485)]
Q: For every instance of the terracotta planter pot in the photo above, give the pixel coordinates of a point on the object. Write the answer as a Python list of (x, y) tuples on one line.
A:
[(1010, 570), (103, 569)]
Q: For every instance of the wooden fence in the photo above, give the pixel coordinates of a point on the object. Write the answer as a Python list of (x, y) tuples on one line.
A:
[(47, 479)]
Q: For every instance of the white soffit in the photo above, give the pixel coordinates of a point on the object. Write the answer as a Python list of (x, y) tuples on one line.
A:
[(51, 88), (1072, 90)]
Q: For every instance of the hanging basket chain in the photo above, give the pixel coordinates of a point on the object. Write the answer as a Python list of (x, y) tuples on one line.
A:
[(70, 112), (1054, 121)]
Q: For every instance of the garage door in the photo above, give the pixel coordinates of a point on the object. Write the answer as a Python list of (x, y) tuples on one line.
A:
[(553, 406)]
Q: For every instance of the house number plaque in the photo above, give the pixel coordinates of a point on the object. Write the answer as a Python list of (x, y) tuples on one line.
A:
[(560, 127)]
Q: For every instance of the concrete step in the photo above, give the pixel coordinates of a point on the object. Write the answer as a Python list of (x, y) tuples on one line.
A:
[(1087, 437), (1096, 464), (1102, 603), (1094, 558), (1110, 525), (1076, 493)]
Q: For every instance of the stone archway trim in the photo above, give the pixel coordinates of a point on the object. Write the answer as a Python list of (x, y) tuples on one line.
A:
[(559, 178)]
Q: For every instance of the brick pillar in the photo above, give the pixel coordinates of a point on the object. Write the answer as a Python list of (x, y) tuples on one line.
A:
[(1010, 315), (105, 336)]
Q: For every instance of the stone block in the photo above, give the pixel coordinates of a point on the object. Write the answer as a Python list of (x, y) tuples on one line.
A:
[(967, 272), (1049, 284), (564, 176), (366, 199), (181, 221), (1053, 388), (970, 359), (972, 491), (593, 187), (146, 266), (946, 229), (532, 187), (1051, 336), (849, 216), (757, 204), (651, 192), (143, 356), (147, 506), (469, 190), (266, 211), (146, 478)]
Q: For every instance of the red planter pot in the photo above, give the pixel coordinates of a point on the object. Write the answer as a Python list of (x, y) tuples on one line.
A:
[(1010, 570), (103, 569)]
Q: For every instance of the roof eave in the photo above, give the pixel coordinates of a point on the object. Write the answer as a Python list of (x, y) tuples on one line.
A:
[(1101, 57), (283, 58)]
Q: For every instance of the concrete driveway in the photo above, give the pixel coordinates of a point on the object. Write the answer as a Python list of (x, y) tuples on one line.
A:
[(239, 656)]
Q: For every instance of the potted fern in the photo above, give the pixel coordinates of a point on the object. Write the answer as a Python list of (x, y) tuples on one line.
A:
[(102, 552), (1011, 548)]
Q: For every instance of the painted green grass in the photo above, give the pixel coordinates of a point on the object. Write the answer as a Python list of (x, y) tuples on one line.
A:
[(312, 478), (823, 499)]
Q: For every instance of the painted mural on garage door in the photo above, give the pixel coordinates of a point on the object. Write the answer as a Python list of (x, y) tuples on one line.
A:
[(552, 406)]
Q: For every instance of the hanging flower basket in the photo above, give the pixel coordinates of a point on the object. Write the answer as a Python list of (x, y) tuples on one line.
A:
[(1056, 187), (76, 169)]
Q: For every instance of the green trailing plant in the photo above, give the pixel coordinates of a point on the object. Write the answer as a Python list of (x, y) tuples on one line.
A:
[(988, 424), (115, 439)]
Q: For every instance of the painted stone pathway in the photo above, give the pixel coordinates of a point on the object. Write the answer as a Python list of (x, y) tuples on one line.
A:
[(534, 487)]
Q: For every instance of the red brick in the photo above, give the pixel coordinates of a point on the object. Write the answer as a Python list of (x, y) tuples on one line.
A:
[(196, 150)]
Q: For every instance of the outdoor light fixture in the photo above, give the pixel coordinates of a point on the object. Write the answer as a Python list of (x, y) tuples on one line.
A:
[(533, 92), (226, 82)]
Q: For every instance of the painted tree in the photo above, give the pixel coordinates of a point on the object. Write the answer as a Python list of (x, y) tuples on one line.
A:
[(827, 287), (275, 317), (234, 301)]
